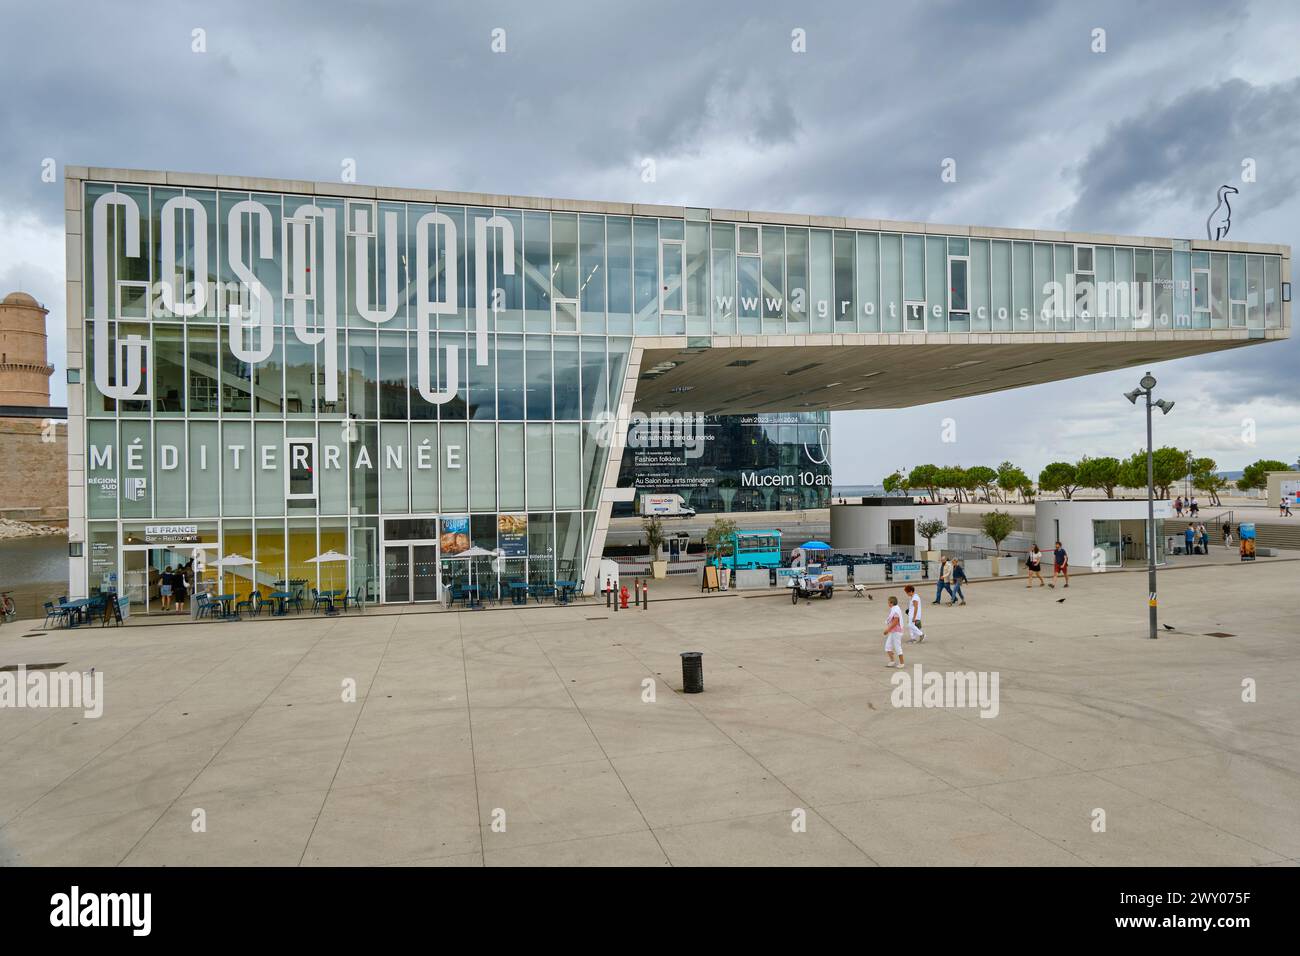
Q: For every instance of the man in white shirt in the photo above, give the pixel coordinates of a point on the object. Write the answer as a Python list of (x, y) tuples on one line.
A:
[(914, 616), (894, 634)]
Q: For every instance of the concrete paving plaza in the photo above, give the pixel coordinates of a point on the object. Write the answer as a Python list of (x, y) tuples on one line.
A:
[(537, 715)]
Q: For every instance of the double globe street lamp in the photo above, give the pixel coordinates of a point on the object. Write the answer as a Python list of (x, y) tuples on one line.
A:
[(1145, 388)]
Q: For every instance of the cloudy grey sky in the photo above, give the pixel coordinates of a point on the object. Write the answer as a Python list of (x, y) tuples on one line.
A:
[(1045, 132)]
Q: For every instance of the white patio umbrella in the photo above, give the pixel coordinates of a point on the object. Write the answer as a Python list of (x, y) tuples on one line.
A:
[(329, 557), (230, 561), (470, 553)]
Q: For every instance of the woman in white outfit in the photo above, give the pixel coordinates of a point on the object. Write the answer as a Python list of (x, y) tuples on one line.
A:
[(894, 634)]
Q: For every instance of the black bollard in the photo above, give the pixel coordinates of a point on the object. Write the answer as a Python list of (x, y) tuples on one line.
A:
[(607, 592), (636, 591), (693, 672), (616, 600), (645, 595)]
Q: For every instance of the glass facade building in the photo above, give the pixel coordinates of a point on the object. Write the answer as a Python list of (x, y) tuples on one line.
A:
[(280, 373), (762, 462)]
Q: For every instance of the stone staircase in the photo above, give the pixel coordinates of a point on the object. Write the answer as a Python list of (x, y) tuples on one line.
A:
[(1284, 535)]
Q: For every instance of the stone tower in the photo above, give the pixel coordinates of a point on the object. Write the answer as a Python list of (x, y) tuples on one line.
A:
[(24, 371)]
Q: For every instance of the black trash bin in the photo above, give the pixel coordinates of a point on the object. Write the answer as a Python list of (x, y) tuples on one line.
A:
[(693, 672)]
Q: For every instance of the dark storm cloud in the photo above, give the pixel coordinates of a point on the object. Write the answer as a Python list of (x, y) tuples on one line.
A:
[(1175, 155)]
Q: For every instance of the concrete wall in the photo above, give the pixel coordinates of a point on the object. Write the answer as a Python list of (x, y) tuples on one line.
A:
[(1277, 480), (1076, 518), (33, 483), (866, 527)]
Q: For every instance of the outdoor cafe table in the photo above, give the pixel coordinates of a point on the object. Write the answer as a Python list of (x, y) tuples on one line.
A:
[(472, 596), (518, 592), (75, 611), (564, 590), (225, 600), (280, 598)]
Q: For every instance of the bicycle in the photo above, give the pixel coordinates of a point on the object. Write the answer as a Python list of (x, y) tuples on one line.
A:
[(8, 610)]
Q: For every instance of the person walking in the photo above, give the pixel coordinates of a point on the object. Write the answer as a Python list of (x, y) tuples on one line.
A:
[(1060, 564), (1034, 567), (958, 579), (914, 616), (180, 589), (1227, 535), (894, 634), (165, 584), (1178, 506), (1193, 509), (944, 583)]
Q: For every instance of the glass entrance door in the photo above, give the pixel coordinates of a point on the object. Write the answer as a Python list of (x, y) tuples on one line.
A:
[(135, 579), (397, 574), (410, 572)]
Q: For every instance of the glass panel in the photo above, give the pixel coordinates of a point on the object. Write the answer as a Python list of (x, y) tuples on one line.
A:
[(483, 466), (1000, 285), (822, 270), (236, 380), (539, 466), (1255, 292), (397, 573), (423, 467), (1162, 299), (979, 285), (269, 380), (595, 378), (394, 389), (672, 299), (537, 270), (268, 465), (618, 238), (591, 290), (424, 572), (697, 278), (868, 282), (1272, 292), (539, 378), (236, 469), (510, 377), (568, 471), (452, 467), (396, 463), (891, 283), (169, 370), (773, 274), (204, 469), (845, 294), (723, 302), (936, 283), (1218, 290), (363, 383), (564, 252), (364, 456), (645, 239), (510, 479)]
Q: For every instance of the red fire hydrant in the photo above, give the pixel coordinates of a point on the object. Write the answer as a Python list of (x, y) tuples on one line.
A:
[(622, 597)]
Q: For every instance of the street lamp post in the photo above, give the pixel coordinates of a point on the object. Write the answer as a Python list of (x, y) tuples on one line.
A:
[(1146, 387)]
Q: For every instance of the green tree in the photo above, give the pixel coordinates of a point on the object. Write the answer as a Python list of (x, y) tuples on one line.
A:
[(929, 529), (951, 476), (1100, 473), (1011, 478), (1059, 476), (925, 476), (985, 479), (1169, 465), (1205, 479), (998, 525), (654, 535), (894, 483), (1255, 477), (718, 537)]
